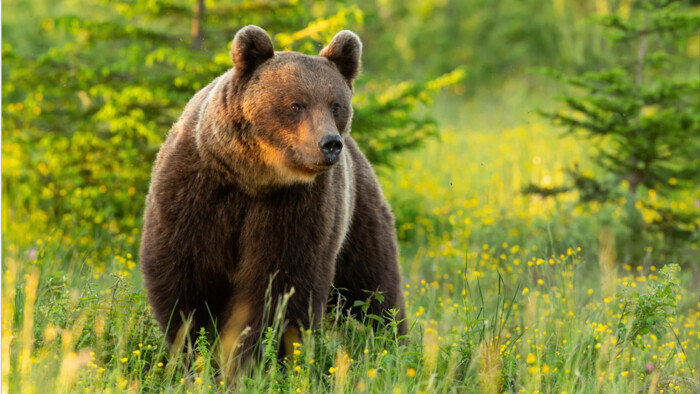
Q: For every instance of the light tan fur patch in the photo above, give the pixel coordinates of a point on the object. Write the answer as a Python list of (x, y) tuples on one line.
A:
[(181, 337), (205, 103), (232, 336), (291, 335), (349, 191), (275, 158)]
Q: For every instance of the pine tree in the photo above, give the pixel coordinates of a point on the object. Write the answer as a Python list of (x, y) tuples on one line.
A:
[(643, 116)]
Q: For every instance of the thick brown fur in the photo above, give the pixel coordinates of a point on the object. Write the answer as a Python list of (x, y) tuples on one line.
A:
[(240, 192)]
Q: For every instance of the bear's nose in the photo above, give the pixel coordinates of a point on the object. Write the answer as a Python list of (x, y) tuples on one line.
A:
[(330, 146)]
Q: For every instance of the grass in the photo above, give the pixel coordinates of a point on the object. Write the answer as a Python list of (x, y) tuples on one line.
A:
[(505, 293)]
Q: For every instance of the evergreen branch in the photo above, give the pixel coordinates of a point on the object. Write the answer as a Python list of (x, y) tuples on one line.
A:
[(110, 30)]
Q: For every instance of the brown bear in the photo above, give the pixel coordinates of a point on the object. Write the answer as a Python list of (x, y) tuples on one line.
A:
[(260, 185)]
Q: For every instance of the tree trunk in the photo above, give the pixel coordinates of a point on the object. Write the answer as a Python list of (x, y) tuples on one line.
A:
[(198, 25), (635, 222), (634, 178), (642, 52)]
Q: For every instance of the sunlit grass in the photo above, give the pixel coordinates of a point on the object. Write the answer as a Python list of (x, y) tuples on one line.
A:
[(504, 293)]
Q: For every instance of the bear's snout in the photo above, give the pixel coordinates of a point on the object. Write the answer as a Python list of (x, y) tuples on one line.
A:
[(330, 146)]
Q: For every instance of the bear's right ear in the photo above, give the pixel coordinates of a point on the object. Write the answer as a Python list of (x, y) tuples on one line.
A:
[(251, 47)]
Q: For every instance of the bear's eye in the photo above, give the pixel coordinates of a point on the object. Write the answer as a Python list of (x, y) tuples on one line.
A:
[(336, 108), (297, 107)]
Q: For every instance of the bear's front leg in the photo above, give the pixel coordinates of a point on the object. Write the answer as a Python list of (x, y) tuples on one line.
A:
[(279, 301), (368, 261)]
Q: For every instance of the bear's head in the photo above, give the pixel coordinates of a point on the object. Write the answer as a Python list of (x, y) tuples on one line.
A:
[(282, 116)]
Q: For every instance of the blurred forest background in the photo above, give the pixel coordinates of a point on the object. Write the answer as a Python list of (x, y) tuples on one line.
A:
[(91, 87), (501, 131)]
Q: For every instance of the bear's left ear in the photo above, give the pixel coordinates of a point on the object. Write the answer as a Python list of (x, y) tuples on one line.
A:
[(345, 51), (251, 47)]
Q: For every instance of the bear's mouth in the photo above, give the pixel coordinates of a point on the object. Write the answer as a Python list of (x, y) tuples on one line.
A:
[(316, 168), (311, 168)]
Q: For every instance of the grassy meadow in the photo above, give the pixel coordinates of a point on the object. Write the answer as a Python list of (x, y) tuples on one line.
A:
[(505, 292)]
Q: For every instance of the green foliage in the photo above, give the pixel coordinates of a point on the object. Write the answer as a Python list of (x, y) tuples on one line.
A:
[(202, 345), (657, 17), (589, 188), (497, 39), (651, 312), (651, 129), (387, 118)]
